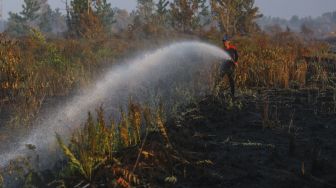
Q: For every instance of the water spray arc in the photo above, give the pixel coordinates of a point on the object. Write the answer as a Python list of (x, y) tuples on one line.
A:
[(171, 63)]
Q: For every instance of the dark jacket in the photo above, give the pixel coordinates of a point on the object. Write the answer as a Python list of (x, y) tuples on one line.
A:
[(232, 51)]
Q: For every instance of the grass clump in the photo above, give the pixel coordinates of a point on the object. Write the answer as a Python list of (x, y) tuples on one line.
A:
[(95, 153)]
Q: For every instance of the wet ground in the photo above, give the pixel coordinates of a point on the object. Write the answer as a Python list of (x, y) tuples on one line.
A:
[(276, 138)]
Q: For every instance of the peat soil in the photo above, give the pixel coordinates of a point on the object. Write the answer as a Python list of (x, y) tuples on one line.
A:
[(272, 138), (275, 138)]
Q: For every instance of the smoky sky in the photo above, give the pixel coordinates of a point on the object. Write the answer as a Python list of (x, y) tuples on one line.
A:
[(276, 8)]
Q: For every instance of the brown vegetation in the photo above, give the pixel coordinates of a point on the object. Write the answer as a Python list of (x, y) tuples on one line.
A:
[(145, 148)]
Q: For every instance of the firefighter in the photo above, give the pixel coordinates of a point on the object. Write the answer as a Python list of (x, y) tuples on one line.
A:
[(228, 67)]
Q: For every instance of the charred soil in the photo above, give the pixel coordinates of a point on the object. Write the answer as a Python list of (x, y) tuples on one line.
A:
[(277, 138)]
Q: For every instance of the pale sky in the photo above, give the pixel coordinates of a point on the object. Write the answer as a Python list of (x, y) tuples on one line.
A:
[(279, 8)]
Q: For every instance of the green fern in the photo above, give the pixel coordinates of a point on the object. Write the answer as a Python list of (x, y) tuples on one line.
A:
[(74, 162)]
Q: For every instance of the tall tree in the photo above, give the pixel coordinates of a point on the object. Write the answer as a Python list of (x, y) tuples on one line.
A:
[(30, 10), (105, 13), (161, 7), (89, 18), (145, 10), (19, 23), (248, 15), (16, 25), (186, 14), (46, 20), (81, 20), (36, 14), (50, 21), (161, 12), (235, 16)]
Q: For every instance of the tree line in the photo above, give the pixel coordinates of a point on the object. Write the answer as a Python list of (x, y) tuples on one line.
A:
[(319, 26), (89, 18)]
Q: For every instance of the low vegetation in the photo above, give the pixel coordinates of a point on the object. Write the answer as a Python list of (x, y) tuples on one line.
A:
[(281, 77), (265, 61)]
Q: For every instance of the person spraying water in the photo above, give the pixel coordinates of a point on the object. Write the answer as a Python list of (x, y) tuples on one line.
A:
[(178, 63), (228, 66)]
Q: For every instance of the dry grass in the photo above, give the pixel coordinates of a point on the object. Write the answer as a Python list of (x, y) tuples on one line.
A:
[(279, 61), (273, 62), (34, 69)]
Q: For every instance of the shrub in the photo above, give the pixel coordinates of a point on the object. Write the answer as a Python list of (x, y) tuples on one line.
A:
[(95, 148)]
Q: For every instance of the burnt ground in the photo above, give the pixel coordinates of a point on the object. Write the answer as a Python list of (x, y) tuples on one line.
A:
[(276, 138), (272, 138)]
